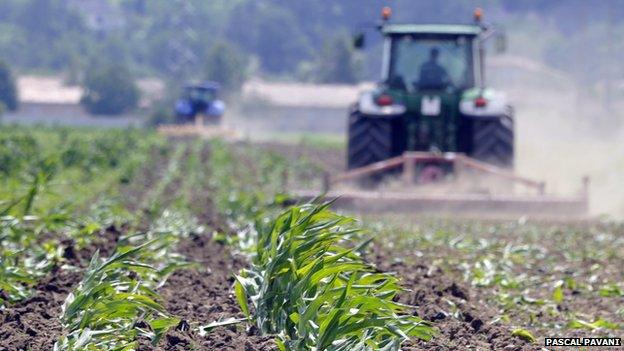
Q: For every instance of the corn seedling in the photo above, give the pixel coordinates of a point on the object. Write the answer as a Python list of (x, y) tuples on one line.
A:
[(23, 258), (308, 287), (598, 324), (113, 305), (524, 334), (116, 302)]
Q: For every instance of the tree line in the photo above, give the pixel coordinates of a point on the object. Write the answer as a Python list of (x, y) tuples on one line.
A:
[(229, 40)]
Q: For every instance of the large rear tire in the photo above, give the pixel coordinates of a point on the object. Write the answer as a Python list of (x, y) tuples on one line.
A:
[(493, 141), (373, 139)]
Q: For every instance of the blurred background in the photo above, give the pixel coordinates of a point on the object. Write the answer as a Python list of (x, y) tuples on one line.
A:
[(288, 69)]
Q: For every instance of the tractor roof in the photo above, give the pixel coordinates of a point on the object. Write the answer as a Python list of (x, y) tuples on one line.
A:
[(205, 86), (443, 29)]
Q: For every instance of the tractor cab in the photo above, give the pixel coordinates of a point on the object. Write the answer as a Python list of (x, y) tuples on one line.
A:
[(200, 100), (430, 57)]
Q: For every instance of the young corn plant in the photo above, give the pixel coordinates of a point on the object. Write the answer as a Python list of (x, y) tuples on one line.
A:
[(24, 259), (165, 233), (307, 286), (116, 303), (113, 305), (24, 256), (14, 279), (102, 214)]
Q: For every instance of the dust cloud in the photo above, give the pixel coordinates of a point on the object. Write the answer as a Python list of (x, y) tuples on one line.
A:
[(563, 133)]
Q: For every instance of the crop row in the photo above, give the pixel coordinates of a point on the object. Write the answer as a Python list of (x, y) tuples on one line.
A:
[(307, 283), (116, 303), (49, 186), (62, 189)]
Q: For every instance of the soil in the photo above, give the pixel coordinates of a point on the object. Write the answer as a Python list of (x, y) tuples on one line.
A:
[(586, 254), (33, 324), (463, 321), (197, 296), (204, 296)]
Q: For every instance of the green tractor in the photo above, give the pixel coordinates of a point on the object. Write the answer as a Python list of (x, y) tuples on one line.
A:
[(433, 120), (433, 99)]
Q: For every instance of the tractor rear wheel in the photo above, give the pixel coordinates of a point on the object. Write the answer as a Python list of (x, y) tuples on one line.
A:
[(493, 141), (373, 139)]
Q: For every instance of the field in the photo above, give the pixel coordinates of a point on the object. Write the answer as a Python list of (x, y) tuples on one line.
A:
[(123, 240)]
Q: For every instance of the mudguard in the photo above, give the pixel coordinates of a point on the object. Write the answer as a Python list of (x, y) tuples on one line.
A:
[(497, 104), (184, 108), (216, 109)]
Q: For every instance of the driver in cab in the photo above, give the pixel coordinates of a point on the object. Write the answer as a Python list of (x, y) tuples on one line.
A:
[(432, 74)]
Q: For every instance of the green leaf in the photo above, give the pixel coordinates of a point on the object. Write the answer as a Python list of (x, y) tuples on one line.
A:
[(598, 324), (611, 290), (203, 330), (280, 345), (241, 297), (524, 335), (161, 326), (557, 295)]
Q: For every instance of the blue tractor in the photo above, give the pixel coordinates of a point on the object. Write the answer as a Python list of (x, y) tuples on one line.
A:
[(200, 100)]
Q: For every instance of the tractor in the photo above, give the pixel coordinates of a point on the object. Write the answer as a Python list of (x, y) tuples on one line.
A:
[(432, 98), (199, 101), (198, 112), (433, 121)]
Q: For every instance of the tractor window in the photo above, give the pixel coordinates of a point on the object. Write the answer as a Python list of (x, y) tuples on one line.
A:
[(431, 63), (200, 94)]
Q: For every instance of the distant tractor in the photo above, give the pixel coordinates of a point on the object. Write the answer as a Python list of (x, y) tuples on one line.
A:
[(200, 103), (432, 99)]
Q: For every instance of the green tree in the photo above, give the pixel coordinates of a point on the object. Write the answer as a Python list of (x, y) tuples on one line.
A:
[(338, 62), (109, 89), (54, 28), (226, 65), (271, 32), (8, 89)]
